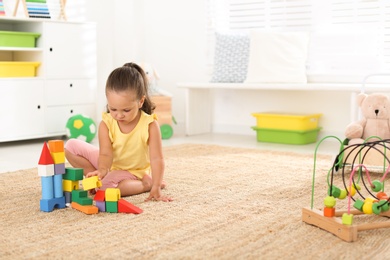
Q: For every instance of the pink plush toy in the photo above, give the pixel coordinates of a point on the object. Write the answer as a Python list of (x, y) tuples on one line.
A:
[(375, 110)]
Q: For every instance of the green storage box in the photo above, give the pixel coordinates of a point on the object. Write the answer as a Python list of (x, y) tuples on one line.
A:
[(286, 136), (18, 39)]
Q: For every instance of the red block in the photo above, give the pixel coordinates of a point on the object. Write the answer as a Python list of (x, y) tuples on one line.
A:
[(100, 195), (45, 158), (126, 207)]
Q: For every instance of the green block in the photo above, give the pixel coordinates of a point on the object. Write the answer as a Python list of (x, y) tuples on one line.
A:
[(81, 197), (73, 174), (112, 206), (347, 219), (358, 205)]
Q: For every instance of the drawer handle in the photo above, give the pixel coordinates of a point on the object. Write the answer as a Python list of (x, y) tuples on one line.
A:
[(39, 106), (71, 111), (70, 85), (51, 49)]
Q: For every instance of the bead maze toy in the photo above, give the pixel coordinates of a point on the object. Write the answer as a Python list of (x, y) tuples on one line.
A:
[(357, 188), (61, 186)]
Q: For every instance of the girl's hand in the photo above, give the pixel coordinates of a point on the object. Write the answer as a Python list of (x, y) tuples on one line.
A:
[(155, 194), (101, 175)]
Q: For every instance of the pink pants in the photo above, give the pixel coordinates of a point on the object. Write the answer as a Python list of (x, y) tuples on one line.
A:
[(91, 153)]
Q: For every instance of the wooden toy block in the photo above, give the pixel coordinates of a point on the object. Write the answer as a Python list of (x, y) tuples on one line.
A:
[(329, 212), (112, 206), (45, 170), (56, 146), (87, 209), (91, 183), (59, 168), (126, 207), (58, 157), (69, 186), (101, 205), (57, 184), (113, 194), (74, 174), (81, 197), (48, 205), (68, 197), (347, 219), (358, 205), (45, 158), (47, 184), (100, 195)]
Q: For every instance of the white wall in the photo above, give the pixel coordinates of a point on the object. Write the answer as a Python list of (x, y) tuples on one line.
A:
[(171, 35)]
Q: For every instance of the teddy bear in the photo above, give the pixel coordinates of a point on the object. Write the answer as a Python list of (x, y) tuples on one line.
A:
[(375, 109)]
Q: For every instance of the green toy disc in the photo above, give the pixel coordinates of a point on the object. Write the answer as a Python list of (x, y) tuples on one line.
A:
[(166, 131)]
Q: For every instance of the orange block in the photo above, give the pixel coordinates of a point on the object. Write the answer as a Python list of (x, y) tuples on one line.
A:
[(87, 209), (126, 207), (56, 146), (329, 212)]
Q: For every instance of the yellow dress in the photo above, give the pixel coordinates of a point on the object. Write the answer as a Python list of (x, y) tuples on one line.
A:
[(130, 151)]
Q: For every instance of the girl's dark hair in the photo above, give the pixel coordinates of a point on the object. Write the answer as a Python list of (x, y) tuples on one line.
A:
[(131, 77)]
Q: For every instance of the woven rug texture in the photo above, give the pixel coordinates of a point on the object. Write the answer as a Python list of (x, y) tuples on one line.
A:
[(229, 203)]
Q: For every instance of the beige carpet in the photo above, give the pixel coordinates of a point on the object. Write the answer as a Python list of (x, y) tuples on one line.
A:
[(230, 203)]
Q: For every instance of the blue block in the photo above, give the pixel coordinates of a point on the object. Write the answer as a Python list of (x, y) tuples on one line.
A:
[(47, 187), (68, 197), (59, 168), (50, 204), (58, 189)]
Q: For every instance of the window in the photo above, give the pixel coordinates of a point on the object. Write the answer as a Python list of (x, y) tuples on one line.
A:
[(347, 37)]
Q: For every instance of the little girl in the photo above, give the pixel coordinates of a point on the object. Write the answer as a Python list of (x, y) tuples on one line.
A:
[(130, 144)]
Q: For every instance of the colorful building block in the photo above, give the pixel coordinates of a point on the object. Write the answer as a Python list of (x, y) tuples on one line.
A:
[(68, 197), (91, 183), (74, 174), (45, 170), (48, 205), (56, 146), (113, 194), (57, 184), (47, 185), (126, 207), (100, 195), (59, 168), (87, 209), (81, 197), (45, 158), (58, 157), (112, 206), (100, 200), (68, 185)]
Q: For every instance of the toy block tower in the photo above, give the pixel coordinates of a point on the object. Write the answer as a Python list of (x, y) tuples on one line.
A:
[(70, 182), (51, 170)]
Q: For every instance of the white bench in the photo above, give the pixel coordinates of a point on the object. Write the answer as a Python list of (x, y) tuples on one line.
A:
[(199, 103)]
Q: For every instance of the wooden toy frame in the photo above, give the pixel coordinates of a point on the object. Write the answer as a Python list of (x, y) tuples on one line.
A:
[(334, 224), (348, 233)]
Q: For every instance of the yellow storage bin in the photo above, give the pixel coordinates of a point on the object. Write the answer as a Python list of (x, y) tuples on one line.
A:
[(18, 69), (287, 121)]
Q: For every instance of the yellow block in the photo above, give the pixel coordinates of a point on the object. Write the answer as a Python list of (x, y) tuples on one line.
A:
[(113, 194), (91, 183), (58, 157), (69, 185)]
